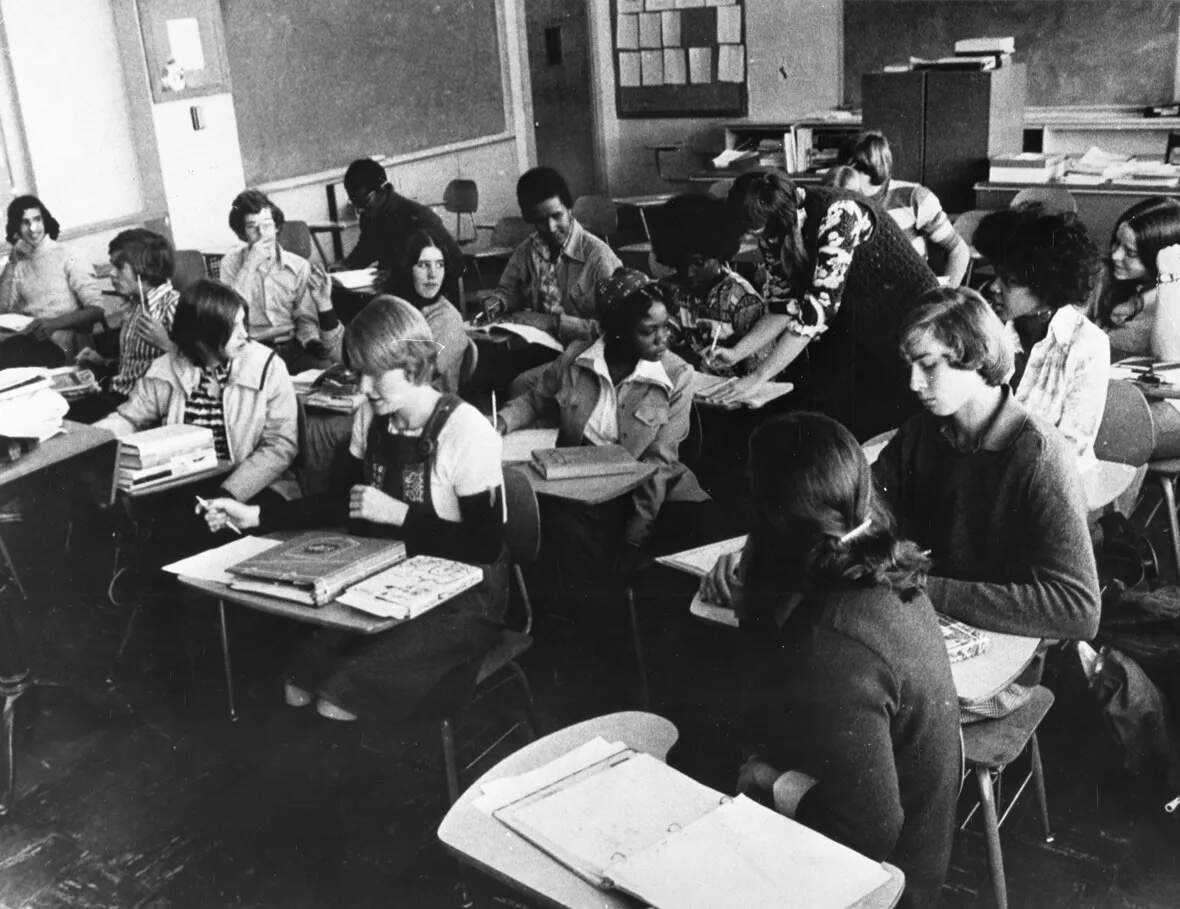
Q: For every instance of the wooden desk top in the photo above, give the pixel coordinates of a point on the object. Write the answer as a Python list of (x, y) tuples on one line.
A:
[(492, 847), (334, 615), (75, 439), (647, 201)]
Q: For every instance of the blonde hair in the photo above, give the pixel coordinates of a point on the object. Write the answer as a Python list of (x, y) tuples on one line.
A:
[(390, 333)]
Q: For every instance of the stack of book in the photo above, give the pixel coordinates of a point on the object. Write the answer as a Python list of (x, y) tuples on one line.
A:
[(1026, 167), (970, 54), (158, 456), (582, 461)]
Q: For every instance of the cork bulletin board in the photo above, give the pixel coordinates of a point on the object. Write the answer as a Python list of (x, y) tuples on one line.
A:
[(679, 58)]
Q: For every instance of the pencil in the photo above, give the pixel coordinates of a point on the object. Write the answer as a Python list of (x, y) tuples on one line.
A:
[(204, 504), (495, 414)]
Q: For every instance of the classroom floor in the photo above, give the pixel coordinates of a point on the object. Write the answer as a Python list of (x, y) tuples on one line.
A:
[(149, 797)]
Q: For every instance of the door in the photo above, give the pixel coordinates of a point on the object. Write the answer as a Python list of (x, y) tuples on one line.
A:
[(559, 67)]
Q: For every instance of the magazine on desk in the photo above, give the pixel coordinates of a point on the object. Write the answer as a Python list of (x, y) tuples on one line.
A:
[(624, 820), (410, 588)]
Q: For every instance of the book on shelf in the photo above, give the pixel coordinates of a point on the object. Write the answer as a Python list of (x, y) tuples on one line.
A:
[(1004, 45), (973, 63), (624, 820), (962, 641), (314, 567), (152, 447), (412, 587), (1025, 167), (570, 463), (179, 466)]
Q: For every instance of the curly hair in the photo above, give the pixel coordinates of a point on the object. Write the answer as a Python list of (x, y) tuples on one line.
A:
[(813, 491), (16, 210), (1050, 253), (693, 225), (540, 184), (251, 202)]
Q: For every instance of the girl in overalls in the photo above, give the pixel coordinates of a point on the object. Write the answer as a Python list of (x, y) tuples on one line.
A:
[(425, 468)]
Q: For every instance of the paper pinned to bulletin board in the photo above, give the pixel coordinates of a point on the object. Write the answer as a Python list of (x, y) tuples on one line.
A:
[(679, 58)]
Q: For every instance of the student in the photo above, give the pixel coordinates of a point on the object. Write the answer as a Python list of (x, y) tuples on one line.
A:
[(714, 306), (1127, 311), (388, 220), (851, 714), (217, 377), (424, 467), (549, 281), (837, 280), (624, 388), (274, 283), (916, 209), (1046, 267), (43, 280), (419, 279)]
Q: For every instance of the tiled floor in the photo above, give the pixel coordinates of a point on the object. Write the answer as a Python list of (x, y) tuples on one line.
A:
[(157, 800)]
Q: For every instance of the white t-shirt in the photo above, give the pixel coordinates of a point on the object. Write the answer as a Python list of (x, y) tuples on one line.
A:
[(467, 461)]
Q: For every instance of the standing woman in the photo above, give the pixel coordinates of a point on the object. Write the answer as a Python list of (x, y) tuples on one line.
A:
[(425, 468), (837, 278), (851, 709), (43, 280), (419, 280)]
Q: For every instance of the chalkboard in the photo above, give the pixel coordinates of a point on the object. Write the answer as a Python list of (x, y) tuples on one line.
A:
[(1077, 51), (317, 83)]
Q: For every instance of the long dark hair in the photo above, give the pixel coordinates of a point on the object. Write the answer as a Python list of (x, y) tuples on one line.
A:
[(813, 492), (16, 210), (1155, 222), (401, 281)]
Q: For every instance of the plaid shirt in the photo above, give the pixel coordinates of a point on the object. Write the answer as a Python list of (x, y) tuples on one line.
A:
[(136, 353)]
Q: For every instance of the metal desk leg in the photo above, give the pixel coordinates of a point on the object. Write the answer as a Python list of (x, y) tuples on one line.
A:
[(8, 781), (229, 675)]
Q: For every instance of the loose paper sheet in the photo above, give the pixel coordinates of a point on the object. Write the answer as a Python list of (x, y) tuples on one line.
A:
[(729, 24), (671, 28), (731, 63), (520, 445), (214, 564), (627, 33), (629, 70), (650, 30), (700, 65), (700, 561), (652, 67), (675, 66), (184, 43), (506, 790)]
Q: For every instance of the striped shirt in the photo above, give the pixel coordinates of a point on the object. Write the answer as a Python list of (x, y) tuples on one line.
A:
[(135, 352), (204, 406), (919, 214)]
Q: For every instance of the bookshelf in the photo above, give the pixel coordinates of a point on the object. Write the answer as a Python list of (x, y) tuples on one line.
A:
[(795, 146)]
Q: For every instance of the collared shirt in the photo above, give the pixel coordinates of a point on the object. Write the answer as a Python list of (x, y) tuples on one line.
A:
[(1066, 378), (276, 292), (136, 353), (602, 427), (583, 262)]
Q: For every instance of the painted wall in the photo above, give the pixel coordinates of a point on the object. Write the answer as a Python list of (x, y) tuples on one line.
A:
[(795, 51)]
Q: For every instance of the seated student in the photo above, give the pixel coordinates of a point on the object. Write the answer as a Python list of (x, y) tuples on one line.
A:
[(425, 468), (837, 279), (549, 281), (43, 280), (1046, 267), (388, 220), (624, 388), (1143, 245), (714, 305), (217, 377), (419, 279), (850, 710), (916, 209), (274, 283)]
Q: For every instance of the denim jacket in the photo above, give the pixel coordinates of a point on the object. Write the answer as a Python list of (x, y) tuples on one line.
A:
[(652, 421)]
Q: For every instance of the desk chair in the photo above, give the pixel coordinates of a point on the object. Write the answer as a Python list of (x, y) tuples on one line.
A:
[(499, 666), (190, 267), (506, 234), (1055, 199), (295, 237), (597, 214), (1125, 440), (461, 197), (990, 746)]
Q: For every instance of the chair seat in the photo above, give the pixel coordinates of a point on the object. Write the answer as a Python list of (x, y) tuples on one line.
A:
[(1164, 467), (997, 743), (511, 645)]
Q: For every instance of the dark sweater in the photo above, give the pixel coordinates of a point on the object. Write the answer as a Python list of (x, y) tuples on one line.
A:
[(858, 693), (1006, 525)]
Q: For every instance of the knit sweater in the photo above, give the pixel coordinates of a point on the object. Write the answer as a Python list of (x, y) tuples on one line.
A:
[(856, 691), (45, 282), (1006, 524)]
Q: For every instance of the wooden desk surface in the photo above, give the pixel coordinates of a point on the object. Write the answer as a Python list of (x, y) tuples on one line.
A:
[(487, 844), (334, 615), (75, 439), (648, 201)]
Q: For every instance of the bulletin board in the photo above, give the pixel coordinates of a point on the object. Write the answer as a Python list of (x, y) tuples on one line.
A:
[(679, 58)]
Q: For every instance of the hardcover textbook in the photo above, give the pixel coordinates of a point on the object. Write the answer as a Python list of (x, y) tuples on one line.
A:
[(583, 461)]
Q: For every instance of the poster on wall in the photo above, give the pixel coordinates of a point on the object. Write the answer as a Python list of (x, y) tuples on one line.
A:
[(185, 48), (679, 58)]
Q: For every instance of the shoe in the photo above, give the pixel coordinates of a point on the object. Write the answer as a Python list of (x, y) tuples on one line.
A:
[(328, 710), (295, 696)]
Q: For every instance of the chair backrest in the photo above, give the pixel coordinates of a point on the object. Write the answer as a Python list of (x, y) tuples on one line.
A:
[(189, 267), (967, 223), (468, 364), (597, 214), (295, 238), (524, 518), (719, 189), (1056, 199), (461, 197), (1126, 434), (510, 231)]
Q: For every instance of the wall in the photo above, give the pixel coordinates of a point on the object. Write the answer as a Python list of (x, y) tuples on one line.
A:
[(795, 51)]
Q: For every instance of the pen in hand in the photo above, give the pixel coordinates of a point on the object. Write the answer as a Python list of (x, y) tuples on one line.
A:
[(204, 505)]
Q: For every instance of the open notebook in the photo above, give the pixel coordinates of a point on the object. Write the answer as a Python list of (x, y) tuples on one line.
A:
[(626, 821)]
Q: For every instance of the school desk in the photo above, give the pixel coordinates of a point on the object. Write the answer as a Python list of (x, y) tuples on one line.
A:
[(483, 842), (90, 453), (590, 490)]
